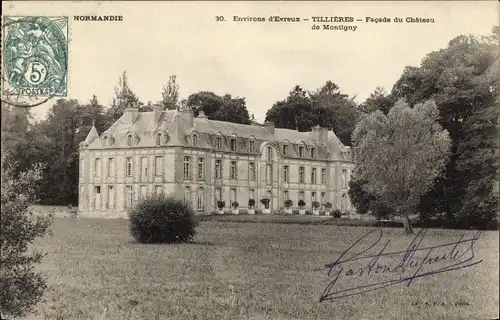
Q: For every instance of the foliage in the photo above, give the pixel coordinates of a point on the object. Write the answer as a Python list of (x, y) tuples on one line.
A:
[(251, 203), (162, 219), (327, 107), (301, 203), (22, 287), (221, 204), (316, 204), (170, 94), (463, 79), (124, 98), (265, 202), (225, 108), (235, 204), (399, 155), (336, 213), (288, 203), (378, 100), (328, 205)]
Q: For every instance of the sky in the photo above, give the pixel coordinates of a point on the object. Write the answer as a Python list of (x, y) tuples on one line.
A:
[(261, 61)]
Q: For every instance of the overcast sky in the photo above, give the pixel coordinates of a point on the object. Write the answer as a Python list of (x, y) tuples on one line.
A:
[(258, 61)]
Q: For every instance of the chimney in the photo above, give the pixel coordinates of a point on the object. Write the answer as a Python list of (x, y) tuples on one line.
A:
[(269, 126), (158, 110), (319, 134), (130, 114), (202, 115), (185, 118)]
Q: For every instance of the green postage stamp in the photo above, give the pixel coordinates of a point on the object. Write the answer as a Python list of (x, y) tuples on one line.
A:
[(35, 58)]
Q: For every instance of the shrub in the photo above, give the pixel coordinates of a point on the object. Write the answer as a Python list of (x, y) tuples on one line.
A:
[(251, 203), (336, 213), (265, 202), (162, 219), (221, 204), (301, 203), (21, 287), (288, 203), (328, 205), (315, 204), (235, 204)]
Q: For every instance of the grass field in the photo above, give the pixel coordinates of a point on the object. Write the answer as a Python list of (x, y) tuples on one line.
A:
[(246, 271)]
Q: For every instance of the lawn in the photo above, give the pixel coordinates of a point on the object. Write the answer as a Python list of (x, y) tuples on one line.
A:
[(248, 271)]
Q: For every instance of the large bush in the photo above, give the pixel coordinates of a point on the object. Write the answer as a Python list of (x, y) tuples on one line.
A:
[(162, 219), (20, 286)]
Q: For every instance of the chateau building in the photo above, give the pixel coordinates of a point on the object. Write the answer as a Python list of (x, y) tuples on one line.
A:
[(202, 161)]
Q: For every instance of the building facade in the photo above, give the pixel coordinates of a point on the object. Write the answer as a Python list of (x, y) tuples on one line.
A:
[(202, 161)]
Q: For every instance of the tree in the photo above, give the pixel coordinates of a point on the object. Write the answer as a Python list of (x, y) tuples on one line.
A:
[(22, 287), (327, 107), (225, 108), (461, 79), (124, 98), (170, 94), (378, 100), (399, 155)]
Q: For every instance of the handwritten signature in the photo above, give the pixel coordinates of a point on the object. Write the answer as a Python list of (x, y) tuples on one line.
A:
[(407, 265)]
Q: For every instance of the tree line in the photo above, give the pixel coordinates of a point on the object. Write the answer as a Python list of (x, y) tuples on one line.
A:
[(461, 82)]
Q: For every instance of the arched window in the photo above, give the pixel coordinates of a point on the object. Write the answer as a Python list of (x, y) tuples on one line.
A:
[(187, 194), (129, 140), (201, 199), (195, 140), (158, 139), (269, 154)]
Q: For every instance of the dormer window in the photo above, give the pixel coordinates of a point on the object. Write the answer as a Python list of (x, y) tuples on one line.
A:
[(105, 142), (218, 143), (269, 154), (285, 150), (158, 139), (301, 151), (233, 144), (313, 153), (129, 140), (251, 146), (195, 140)]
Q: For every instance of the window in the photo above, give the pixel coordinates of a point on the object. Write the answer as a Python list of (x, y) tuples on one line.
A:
[(269, 173), (129, 140), (129, 167), (201, 199), (301, 151), (313, 176), (344, 178), (105, 143), (218, 194), (144, 168), (233, 144), (195, 140), (252, 176), (144, 192), (187, 168), (158, 139), (232, 196), (218, 143), (285, 195), (285, 150), (301, 174), (98, 189), (158, 166), (82, 170), (323, 176), (313, 196), (111, 167), (111, 198), (301, 195), (187, 194), (97, 167), (129, 197), (233, 170), (218, 169), (322, 197), (313, 153), (285, 173), (251, 194), (251, 146), (201, 169), (269, 154), (158, 189)]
